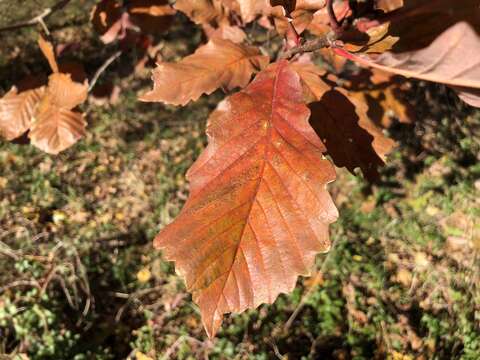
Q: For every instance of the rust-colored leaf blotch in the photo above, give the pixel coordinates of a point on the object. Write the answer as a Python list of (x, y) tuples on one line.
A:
[(258, 210)]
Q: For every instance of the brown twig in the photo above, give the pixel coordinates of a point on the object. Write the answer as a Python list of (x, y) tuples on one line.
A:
[(312, 45), (39, 19), (334, 23), (102, 68)]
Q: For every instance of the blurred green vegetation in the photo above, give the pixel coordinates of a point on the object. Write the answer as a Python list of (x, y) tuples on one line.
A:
[(79, 278)]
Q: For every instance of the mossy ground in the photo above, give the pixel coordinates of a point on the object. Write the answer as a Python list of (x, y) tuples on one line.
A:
[(79, 278)]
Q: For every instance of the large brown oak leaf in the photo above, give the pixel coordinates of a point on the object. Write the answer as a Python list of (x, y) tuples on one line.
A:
[(258, 210), (219, 63)]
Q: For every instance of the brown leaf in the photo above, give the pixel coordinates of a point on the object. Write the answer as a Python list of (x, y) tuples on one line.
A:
[(48, 52), (201, 11), (452, 59), (106, 18), (16, 111), (388, 5), (469, 96), (374, 40), (225, 31), (63, 92), (55, 129), (310, 77), (420, 22), (300, 19), (288, 5), (258, 210), (250, 9), (386, 96), (219, 63), (112, 20), (351, 138), (151, 16), (320, 23)]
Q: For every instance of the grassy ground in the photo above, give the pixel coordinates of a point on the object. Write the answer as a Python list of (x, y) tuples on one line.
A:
[(79, 278)]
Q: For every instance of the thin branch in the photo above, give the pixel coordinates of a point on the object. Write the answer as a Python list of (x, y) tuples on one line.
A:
[(334, 23), (312, 45), (102, 69), (39, 19)]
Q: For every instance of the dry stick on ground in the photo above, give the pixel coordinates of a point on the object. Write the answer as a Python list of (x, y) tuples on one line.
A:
[(39, 19)]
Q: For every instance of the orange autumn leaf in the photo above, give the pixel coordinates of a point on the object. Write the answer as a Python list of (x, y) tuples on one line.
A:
[(55, 126), (249, 9), (311, 79), (218, 64), (48, 51), (56, 129), (258, 210), (201, 11), (64, 92), (225, 31), (17, 110)]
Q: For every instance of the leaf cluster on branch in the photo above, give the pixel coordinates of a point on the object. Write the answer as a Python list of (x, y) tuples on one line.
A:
[(259, 209)]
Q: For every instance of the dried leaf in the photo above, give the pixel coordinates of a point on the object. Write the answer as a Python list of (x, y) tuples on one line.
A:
[(16, 111), (351, 138), (201, 11), (219, 63), (225, 31), (310, 77), (151, 16), (106, 18), (112, 20), (55, 129), (48, 52), (250, 9), (258, 210), (452, 59), (376, 40), (288, 5), (300, 19), (63, 92), (388, 5), (386, 96)]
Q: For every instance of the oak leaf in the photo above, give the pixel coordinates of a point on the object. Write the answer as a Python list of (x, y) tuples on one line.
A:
[(311, 79), (452, 59), (218, 64), (385, 94), (351, 138), (17, 110), (258, 210)]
